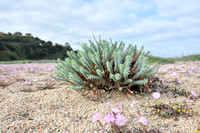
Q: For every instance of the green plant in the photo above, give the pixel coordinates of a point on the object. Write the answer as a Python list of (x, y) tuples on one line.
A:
[(4, 83), (172, 110), (106, 66), (182, 92), (46, 86)]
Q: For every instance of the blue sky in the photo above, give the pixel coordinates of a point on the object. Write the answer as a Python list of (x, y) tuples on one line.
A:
[(167, 28)]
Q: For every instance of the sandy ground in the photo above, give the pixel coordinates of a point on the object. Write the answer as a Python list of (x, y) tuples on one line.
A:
[(27, 106)]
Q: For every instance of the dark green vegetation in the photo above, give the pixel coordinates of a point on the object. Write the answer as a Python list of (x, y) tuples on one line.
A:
[(172, 60), (28, 61), (26, 47)]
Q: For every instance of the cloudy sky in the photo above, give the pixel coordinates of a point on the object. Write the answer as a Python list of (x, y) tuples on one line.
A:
[(167, 28)]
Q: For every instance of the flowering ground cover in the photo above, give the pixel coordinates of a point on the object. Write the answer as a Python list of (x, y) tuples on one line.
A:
[(32, 101)]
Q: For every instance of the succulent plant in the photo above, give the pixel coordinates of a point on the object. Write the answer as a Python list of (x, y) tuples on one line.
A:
[(105, 65)]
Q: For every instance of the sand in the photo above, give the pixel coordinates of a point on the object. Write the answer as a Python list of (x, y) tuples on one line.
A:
[(30, 107)]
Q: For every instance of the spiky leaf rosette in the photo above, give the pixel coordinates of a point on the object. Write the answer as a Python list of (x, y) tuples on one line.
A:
[(104, 65)]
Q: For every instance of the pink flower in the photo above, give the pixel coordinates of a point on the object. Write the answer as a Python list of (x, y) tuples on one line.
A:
[(109, 118), (134, 103), (143, 120), (118, 104), (183, 70), (193, 93), (108, 104), (27, 82), (177, 77), (35, 80), (174, 74), (120, 120), (164, 80), (116, 110), (96, 117), (191, 73), (156, 95)]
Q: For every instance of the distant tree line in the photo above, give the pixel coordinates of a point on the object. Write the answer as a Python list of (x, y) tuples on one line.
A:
[(26, 47)]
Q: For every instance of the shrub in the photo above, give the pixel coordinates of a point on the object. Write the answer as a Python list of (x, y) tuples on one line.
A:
[(104, 65)]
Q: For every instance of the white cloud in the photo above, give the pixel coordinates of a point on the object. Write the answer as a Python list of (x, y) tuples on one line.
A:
[(164, 26), (171, 8)]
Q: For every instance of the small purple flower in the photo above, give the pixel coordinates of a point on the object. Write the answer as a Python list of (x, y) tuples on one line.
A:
[(109, 118), (183, 70), (174, 74), (143, 120), (108, 104), (193, 93), (35, 80), (191, 73), (96, 117), (120, 104), (187, 79), (134, 102), (27, 82), (164, 80), (120, 120), (156, 95), (177, 77), (116, 110)]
